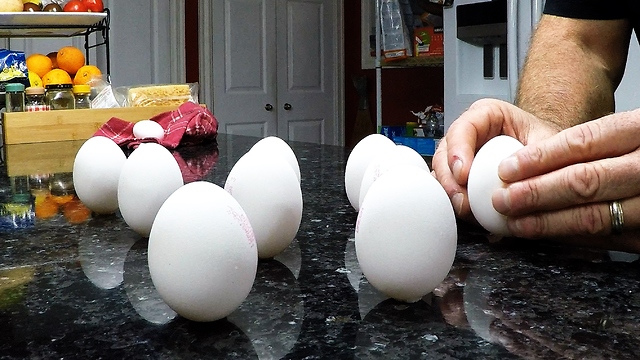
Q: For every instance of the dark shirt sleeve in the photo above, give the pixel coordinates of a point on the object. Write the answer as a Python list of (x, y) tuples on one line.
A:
[(588, 9)]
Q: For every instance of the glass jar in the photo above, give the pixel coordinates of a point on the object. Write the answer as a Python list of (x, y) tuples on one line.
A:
[(60, 97), (81, 93), (34, 99), (14, 97)]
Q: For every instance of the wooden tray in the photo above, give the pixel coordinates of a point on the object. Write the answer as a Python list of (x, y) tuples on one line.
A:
[(63, 125)]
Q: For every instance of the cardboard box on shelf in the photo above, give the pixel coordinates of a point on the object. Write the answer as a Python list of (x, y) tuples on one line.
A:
[(428, 41)]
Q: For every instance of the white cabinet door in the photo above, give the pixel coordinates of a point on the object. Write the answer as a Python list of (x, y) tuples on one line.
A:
[(274, 68), (305, 52), (244, 56)]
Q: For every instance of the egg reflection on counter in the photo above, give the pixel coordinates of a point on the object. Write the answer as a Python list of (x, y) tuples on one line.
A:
[(269, 192), (202, 252), (148, 177), (139, 288), (274, 146), (275, 296), (96, 170), (359, 159), (406, 234), (484, 180)]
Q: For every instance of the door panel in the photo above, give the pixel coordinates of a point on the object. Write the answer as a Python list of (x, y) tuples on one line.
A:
[(306, 70), (278, 53), (244, 80)]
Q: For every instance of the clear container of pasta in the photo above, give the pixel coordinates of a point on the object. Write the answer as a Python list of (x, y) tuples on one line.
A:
[(158, 94)]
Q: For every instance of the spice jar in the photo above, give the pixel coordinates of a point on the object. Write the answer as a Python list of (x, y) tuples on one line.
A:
[(60, 96), (14, 97), (81, 93), (34, 99)]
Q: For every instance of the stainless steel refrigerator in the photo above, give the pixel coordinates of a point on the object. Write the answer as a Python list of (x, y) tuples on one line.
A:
[(485, 43)]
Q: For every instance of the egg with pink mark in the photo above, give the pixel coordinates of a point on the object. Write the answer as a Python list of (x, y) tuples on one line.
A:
[(399, 155), (484, 180), (202, 252), (144, 129), (148, 177), (269, 192)]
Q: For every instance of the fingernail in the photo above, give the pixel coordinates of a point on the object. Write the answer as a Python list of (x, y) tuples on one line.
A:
[(508, 168), (456, 200), (457, 170), (501, 200)]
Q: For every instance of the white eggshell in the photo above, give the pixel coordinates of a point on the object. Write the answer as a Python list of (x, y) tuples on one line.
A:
[(484, 180), (202, 252), (269, 192), (406, 234), (399, 155), (96, 170), (365, 150), (148, 129), (274, 146), (148, 177)]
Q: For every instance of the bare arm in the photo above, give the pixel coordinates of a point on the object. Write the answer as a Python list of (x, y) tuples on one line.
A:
[(573, 68)]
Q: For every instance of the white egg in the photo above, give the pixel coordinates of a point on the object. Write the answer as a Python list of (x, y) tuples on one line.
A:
[(406, 234), (96, 170), (274, 146), (148, 177), (399, 155), (202, 252), (484, 180), (148, 129), (365, 150), (270, 194)]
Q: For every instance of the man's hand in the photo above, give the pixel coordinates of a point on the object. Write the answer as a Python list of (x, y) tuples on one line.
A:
[(484, 120), (563, 185)]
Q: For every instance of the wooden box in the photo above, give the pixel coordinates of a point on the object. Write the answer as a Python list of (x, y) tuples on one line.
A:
[(41, 158), (64, 125)]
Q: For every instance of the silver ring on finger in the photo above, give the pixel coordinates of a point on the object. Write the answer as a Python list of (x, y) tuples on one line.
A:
[(617, 217)]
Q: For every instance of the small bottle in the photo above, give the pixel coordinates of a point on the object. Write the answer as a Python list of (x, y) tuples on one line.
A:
[(35, 99), (14, 97), (81, 93), (60, 96)]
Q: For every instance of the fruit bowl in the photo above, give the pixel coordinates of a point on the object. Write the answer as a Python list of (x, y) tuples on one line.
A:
[(26, 24)]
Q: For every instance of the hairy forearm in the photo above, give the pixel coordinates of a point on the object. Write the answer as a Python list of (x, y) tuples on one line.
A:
[(570, 76)]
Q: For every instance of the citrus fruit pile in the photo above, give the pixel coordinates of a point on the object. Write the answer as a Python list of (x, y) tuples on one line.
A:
[(65, 66)]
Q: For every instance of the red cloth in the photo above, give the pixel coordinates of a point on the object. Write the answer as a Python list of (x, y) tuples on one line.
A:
[(195, 168), (189, 124)]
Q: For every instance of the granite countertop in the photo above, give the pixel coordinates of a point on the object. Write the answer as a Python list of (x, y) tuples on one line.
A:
[(78, 289)]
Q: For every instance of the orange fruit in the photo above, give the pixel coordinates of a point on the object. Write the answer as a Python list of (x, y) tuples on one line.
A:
[(39, 64), (56, 76), (85, 74), (62, 199), (76, 212), (70, 59), (54, 58), (46, 208)]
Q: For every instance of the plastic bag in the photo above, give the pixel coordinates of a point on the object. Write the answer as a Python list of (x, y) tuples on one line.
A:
[(395, 38), (13, 68), (102, 95)]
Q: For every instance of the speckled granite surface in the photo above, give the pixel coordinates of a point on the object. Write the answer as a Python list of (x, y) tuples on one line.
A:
[(84, 292)]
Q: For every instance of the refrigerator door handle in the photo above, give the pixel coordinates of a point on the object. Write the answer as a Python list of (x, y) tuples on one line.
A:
[(512, 47)]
